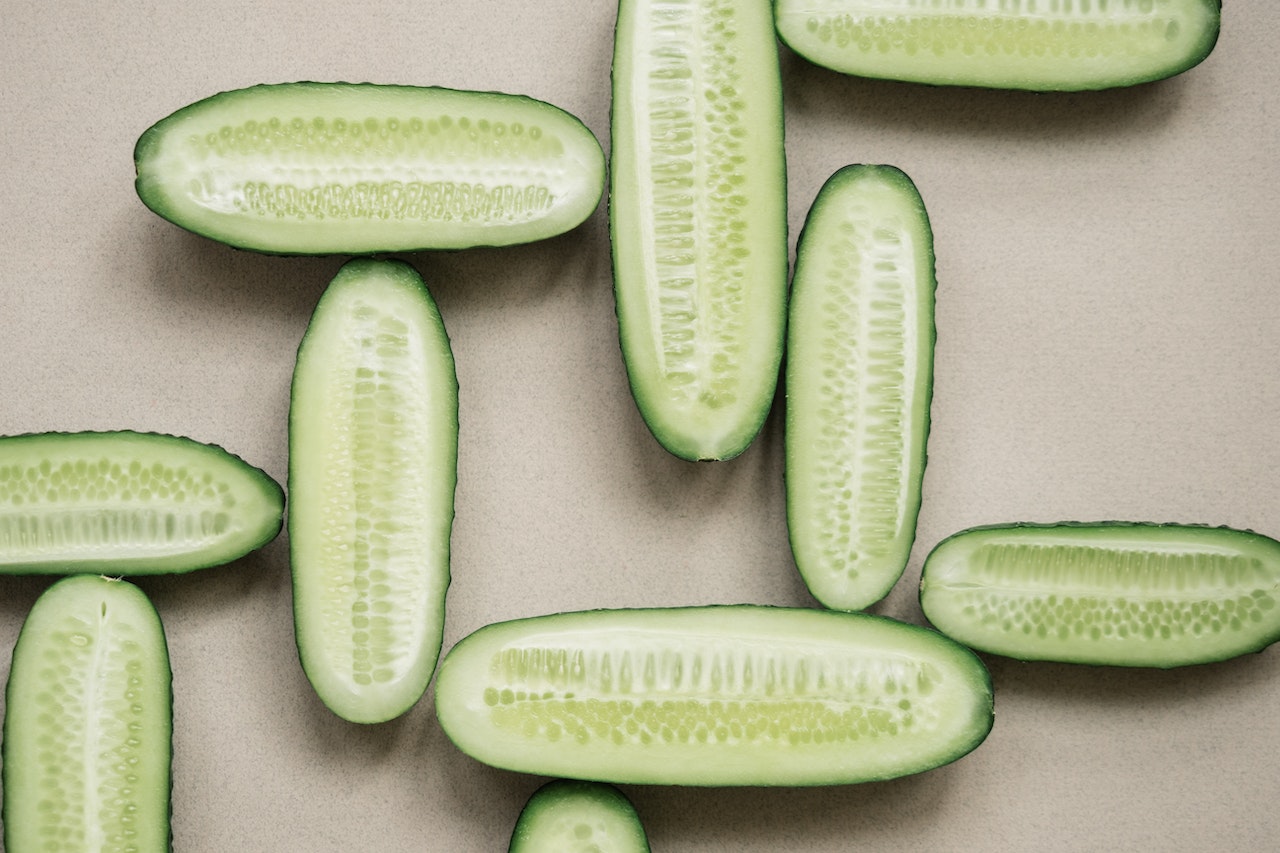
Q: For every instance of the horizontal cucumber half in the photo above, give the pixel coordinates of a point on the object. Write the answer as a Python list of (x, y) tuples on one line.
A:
[(719, 695), (698, 218), (88, 727), (570, 816), (373, 447), (1042, 45), (340, 168), (129, 503), (1152, 595), (859, 379)]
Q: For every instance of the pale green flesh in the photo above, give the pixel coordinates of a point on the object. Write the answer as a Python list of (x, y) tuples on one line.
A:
[(858, 382), (713, 696), (127, 503), (373, 463), (1013, 44), (568, 816), (698, 218), (88, 725), (1116, 594)]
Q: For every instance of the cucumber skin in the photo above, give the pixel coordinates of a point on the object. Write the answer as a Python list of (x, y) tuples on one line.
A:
[(527, 836)]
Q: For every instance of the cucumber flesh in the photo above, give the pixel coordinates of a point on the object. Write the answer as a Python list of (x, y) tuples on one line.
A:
[(88, 726), (859, 380), (373, 447), (713, 696), (698, 218), (1149, 595), (570, 816), (129, 503), (1041, 45), (340, 168)]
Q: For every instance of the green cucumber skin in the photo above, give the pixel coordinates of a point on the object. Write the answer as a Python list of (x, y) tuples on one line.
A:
[(1197, 645), (258, 520), (572, 816)]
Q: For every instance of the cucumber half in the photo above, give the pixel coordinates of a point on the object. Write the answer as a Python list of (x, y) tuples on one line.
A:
[(129, 503), (1120, 594), (698, 218), (718, 695), (373, 448), (570, 816), (88, 727), (342, 168), (859, 380), (1042, 45)]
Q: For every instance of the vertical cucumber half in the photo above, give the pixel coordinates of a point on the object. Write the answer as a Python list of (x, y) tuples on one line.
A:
[(859, 380), (373, 448), (571, 816), (1044, 45), (88, 727), (1119, 594), (342, 168), (718, 695), (129, 503), (698, 218)]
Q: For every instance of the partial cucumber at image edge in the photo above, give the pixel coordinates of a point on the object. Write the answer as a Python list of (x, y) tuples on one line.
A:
[(1107, 593), (358, 168), (713, 696), (571, 816), (88, 726)]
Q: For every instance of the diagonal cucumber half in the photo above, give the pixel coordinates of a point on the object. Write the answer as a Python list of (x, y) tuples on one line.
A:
[(572, 816)]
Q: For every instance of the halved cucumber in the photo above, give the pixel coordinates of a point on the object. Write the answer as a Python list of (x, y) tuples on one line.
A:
[(859, 380), (721, 695), (698, 218), (570, 816), (129, 503), (1011, 44), (88, 727), (1153, 595), (341, 168), (373, 448)]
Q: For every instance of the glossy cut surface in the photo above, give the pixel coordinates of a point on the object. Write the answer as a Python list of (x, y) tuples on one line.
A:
[(571, 816)]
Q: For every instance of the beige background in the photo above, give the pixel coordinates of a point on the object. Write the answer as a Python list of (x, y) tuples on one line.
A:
[(1107, 348)]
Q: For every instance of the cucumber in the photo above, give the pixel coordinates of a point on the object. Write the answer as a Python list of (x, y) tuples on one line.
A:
[(341, 168), (373, 449), (88, 727), (570, 816), (859, 380), (1039, 45), (1113, 593), (129, 503), (698, 218), (713, 696)]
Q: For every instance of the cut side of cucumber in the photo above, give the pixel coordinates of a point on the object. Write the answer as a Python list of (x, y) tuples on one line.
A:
[(88, 726), (1042, 45), (719, 695), (341, 168), (698, 218), (373, 448), (859, 380), (129, 503), (1120, 594), (571, 816)]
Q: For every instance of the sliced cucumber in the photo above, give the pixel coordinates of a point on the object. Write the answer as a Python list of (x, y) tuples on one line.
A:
[(859, 379), (88, 727), (1011, 44), (698, 218), (569, 816), (1152, 595), (340, 168), (722, 695), (373, 448), (129, 503)]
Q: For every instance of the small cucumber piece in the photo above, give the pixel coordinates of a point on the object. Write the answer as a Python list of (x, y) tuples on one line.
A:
[(373, 449), (129, 503), (717, 695), (88, 727), (859, 379), (1043, 45), (570, 816), (1119, 594), (341, 168), (698, 218)]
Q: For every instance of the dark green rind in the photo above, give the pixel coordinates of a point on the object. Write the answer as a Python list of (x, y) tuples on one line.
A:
[(587, 805)]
